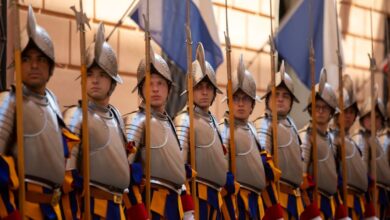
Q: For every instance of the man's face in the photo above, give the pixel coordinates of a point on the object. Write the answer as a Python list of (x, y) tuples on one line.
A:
[(323, 112), (242, 105), (204, 93), (159, 90), (283, 101), (367, 121), (35, 70), (349, 116), (98, 84)]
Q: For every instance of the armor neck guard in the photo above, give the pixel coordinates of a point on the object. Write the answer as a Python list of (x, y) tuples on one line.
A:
[(241, 123), (159, 115), (285, 120), (203, 114), (162, 116), (268, 114), (336, 130), (100, 110), (35, 97), (309, 129), (237, 122)]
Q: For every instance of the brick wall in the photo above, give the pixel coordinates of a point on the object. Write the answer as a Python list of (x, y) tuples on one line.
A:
[(249, 28)]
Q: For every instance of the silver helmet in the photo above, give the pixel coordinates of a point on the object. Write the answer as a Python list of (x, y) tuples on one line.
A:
[(325, 91), (365, 109), (158, 63), (282, 78), (244, 80), (202, 69), (37, 35), (101, 54), (348, 94)]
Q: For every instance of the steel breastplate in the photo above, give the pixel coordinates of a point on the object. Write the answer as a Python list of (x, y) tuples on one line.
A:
[(289, 152), (327, 173), (108, 159), (43, 146), (382, 165), (356, 168), (250, 170), (166, 159), (211, 163)]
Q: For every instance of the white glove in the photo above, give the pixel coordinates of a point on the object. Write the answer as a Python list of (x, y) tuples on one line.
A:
[(189, 215), (372, 218)]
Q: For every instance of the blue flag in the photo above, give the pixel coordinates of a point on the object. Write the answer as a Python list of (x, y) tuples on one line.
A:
[(167, 28), (310, 20)]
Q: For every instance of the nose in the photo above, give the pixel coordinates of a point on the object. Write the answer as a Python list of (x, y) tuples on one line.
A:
[(320, 109), (34, 63), (153, 87), (94, 79), (204, 90)]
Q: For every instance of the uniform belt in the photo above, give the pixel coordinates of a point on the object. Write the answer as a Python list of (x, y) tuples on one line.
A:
[(107, 187), (354, 190), (104, 195), (250, 188), (167, 184), (208, 183), (382, 186), (37, 197), (42, 182), (289, 189), (289, 183), (326, 194)]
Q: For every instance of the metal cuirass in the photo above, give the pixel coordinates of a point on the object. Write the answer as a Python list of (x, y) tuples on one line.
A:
[(250, 169), (289, 151), (211, 163), (43, 146), (167, 163), (327, 173), (108, 161), (382, 163), (356, 168)]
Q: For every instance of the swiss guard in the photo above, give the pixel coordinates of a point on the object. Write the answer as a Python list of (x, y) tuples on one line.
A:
[(109, 167)]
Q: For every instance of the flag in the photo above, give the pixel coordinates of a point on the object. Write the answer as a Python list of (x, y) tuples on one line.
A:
[(310, 20), (167, 29)]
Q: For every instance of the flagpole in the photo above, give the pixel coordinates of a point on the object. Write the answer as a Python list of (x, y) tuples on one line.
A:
[(313, 108), (147, 110), (232, 148), (373, 120), (273, 98), (341, 115), (19, 108), (191, 107), (84, 107)]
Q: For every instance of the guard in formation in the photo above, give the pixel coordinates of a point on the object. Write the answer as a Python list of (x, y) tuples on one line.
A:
[(260, 189)]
